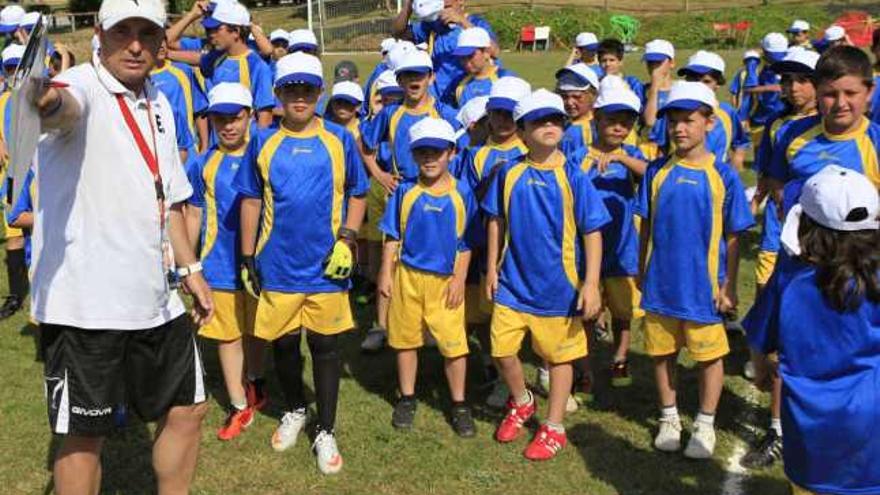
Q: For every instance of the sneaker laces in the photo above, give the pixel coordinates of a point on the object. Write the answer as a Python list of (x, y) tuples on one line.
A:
[(551, 443), (323, 439), (292, 416)]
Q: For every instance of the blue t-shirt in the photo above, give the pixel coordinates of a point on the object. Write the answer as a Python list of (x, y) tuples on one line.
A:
[(829, 362), (304, 179), (728, 134), (547, 209), (179, 84), (470, 87), (691, 207), (25, 204), (431, 226), (370, 88), (745, 77), (212, 175), (770, 102), (249, 70), (578, 134)]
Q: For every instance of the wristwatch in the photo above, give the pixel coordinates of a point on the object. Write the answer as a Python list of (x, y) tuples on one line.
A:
[(347, 234), (188, 270)]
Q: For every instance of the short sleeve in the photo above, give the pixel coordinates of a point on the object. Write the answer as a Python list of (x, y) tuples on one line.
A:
[(589, 210), (374, 131), (642, 204), (262, 85), (777, 166), (200, 100), (468, 169), (196, 180), (492, 203), (470, 239), (637, 87), (736, 82), (390, 222), (207, 61), (764, 153), (737, 213), (356, 181), (247, 180), (190, 44), (762, 321), (740, 138)]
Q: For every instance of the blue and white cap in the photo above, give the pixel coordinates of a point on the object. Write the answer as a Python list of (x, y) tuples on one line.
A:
[(577, 77), (302, 39), (386, 45), (835, 33), (686, 95), (751, 54), (703, 62), (471, 40), (615, 96), (10, 18), (797, 61), (658, 51), (431, 133), (230, 13), (416, 61), (587, 41), (472, 111), (799, 26), (229, 98), (539, 104), (386, 84), (299, 68), (427, 10), (775, 45), (279, 35), (506, 92), (398, 51), (348, 91), (12, 55), (29, 20)]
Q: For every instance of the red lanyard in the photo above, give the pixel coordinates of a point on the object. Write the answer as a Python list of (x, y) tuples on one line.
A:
[(149, 157)]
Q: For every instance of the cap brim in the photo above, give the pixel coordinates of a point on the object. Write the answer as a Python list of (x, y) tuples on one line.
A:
[(775, 56), (300, 78), (789, 235), (696, 69), (12, 62), (431, 142), (210, 23), (226, 108), (540, 113), (391, 91), (795, 31), (302, 47), (348, 98), (464, 51), (7, 28), (618, 107), (656, 57), (791, 67), (498, 103), (116, 19), (277, 40), (689, 105), (592, 47), (422, 69)]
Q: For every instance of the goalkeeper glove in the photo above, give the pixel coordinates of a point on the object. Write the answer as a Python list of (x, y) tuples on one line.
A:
[(250, 278), (341, 259)]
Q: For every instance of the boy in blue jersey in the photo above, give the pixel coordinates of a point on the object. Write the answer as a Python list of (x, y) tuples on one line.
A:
[(660, 60), (746, 76), (766, 90), (424, 267), (369, 87), (693, 208), (346, 98), (21, 214), (475, 56), (303, 186), (615, 168), (188, 103), (541, 192), (578, 86), (213, 222), (611, 52), (825, 299), (584, 51)]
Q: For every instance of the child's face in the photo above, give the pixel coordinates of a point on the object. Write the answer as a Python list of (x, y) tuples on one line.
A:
[(610, 63), (501, 124), (231, 129), (476, 63), (843, 102), (799, 38), (798, 89), (586, 56), (298, 102), (342, 110), (706, 79), (688, 128), (223, 37), (545, 132), (432, 162), (614, 127), (577, 103), (279, 49), (414, 84)]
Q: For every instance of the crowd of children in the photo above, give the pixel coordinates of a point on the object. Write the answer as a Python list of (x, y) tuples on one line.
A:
[(479, 206)]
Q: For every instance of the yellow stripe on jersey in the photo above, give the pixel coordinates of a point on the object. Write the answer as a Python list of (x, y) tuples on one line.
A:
[(586, 128), (210, 176), (406, 205), (337, 162), (354, 126), (867, 151), (569, 229), (492, 76), (411, 196), (244, 70), (264, 161), (458, 204), (509, 182), (483, 152), (727, 125), (186, 85), (799, 142)]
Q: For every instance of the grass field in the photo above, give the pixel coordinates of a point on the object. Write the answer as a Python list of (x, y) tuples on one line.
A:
[(610, 448)]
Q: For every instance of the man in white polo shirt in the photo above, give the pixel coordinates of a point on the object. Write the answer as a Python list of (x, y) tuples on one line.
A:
[(109, 248)]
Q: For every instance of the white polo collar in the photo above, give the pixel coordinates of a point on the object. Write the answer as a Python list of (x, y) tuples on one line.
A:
[(113, 85)]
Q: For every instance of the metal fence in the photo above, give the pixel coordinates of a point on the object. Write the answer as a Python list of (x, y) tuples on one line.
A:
[(353, 25)]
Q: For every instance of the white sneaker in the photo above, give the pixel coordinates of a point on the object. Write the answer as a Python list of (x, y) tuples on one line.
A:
[(499, 395), (668, 439), (571, 405), (329, 460), (375, 340), (542, 381), (287, 432), (702, 442)]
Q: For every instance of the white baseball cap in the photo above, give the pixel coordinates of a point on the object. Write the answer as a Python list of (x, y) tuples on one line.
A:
[(386, 45), (398, 51), (386, 84), (836, 198), (348, 91), (471, 40), (231, 13), (302, 39), (703, 62), (539, 104), (797, 60), (299, 68), (10, 18), (615, 96), (30, 19), (751, 54), (835, 33), (775, 46), (12, 55), (114, 11), (431, 133), (799, 26), (506, 92), (658, 51), (686, 95), (577, 77), (279, 35), (229, 98), (472, 111), (417, 61), (587, 41), (427, 10)]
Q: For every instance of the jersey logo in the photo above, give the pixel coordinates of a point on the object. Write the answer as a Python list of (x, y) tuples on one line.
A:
[(536, 182), (436, 209), (296, 150), (234, 165), (828, 157), (682, 180)]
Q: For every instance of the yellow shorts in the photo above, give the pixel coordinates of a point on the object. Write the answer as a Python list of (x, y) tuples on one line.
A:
[(234, 312), (377, 198), (279, 313), (764, 266), (556, 339), (418, 302), (622, 298), (477, 308), (665, 335), (10, 231)]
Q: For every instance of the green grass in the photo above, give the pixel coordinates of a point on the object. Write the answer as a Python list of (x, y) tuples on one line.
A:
[(610, 450)]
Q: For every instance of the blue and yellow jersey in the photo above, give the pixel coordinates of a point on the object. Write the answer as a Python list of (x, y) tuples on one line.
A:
[(768, 103), (26, 204), (617, 187), (182, 116), (431, 225), (804, 149), (578, 134), (6, 115), (658, 133), (728, 134), (479, 162), (470, 86), (304, 179), (547, 209), (745, 77), (212, 175), (178, 82), (691, 207), (875, 101), (370, 89), (392, 125), (828, 360), (248, 69)]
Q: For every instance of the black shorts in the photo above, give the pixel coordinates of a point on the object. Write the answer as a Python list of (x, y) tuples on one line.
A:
[(91, 374)]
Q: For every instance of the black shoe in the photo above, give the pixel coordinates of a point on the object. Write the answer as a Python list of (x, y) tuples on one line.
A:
[(768, 451), (10, 306), (462, 421), (404, 414)]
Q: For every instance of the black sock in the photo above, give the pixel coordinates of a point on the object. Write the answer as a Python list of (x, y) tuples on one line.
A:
[(288, 368), (581, 369), (327, 371), (17, 272)]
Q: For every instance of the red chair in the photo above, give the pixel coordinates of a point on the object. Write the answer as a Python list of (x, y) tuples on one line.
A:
[(741, 31), (526, 36)]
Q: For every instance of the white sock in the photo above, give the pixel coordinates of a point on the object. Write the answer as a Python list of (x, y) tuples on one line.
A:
[(239, 405), (525, 398), (669, 412), (776, 425), (558, 428), (706, 419)]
